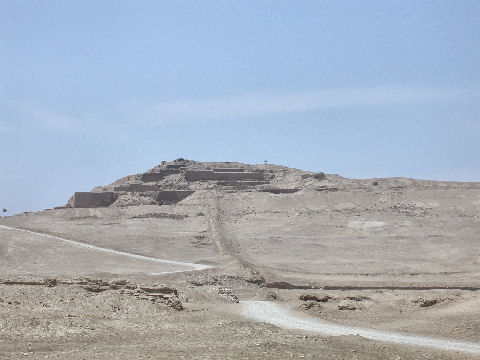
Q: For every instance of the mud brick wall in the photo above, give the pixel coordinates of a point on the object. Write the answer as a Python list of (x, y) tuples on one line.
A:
[(89, 199), (229, 170), (198, 175), (280, 191), (136, 188), (242, 184), (172, 197), (157, 176), (239, 176)]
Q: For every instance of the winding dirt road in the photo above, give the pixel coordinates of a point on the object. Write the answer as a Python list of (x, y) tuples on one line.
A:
[(117, 252), (273, 313)]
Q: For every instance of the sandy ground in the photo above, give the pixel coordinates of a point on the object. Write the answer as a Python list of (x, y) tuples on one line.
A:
[(399, 256), (272, 313)]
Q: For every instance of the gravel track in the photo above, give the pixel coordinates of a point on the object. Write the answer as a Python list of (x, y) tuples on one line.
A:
[(117, 252), (273, 313)]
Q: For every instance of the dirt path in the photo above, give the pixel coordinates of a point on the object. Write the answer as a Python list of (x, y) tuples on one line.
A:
[(273, 313), (223, 243), (116, 252)]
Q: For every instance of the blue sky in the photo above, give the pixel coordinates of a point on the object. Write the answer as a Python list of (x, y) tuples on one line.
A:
[(91, 91)]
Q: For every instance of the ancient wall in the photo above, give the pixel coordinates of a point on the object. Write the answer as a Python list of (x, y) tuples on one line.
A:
[(172, 197), (89, 199), (327, 189), (157, 176), (198, 175), (136, 188), (228, 170), (280, 191), (242, 184), (240, 176), (176, 166)]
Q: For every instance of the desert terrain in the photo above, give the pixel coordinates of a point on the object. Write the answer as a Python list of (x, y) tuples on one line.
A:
[(203, 260)]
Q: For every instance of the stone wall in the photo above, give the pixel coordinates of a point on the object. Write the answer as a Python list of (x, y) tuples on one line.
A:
[(104, 199), (176, 166), (172, 197), (90, 199), (239, 176), (242, 184), (280, 191), (136, 188), (199, 175), (228, 170), (158, 176)]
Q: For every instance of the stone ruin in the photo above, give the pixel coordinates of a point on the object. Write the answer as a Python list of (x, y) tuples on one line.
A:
[(107, 198), (205, 175), (91, 199), (170, 183)]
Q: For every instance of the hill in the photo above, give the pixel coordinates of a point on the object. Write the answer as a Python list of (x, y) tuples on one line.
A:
[(393, 254)]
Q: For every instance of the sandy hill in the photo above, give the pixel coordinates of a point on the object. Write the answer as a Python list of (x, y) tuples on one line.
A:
[(394, 254)]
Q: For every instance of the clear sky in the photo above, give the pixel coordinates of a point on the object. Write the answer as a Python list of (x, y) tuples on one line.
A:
[(91, 91)]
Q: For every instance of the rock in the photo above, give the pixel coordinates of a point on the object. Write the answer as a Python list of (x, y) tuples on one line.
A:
[(316, 176), (357, 298), (272, 296), (228, 294), (316, 298), (96, 288), (286, 285), (175, 303), (159, 289), (51, 282), (131, 199), (426, 302), (346, 305), (310, 305), (256, 280)]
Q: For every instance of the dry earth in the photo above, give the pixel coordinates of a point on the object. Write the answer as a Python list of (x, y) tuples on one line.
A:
[(389, 254)]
